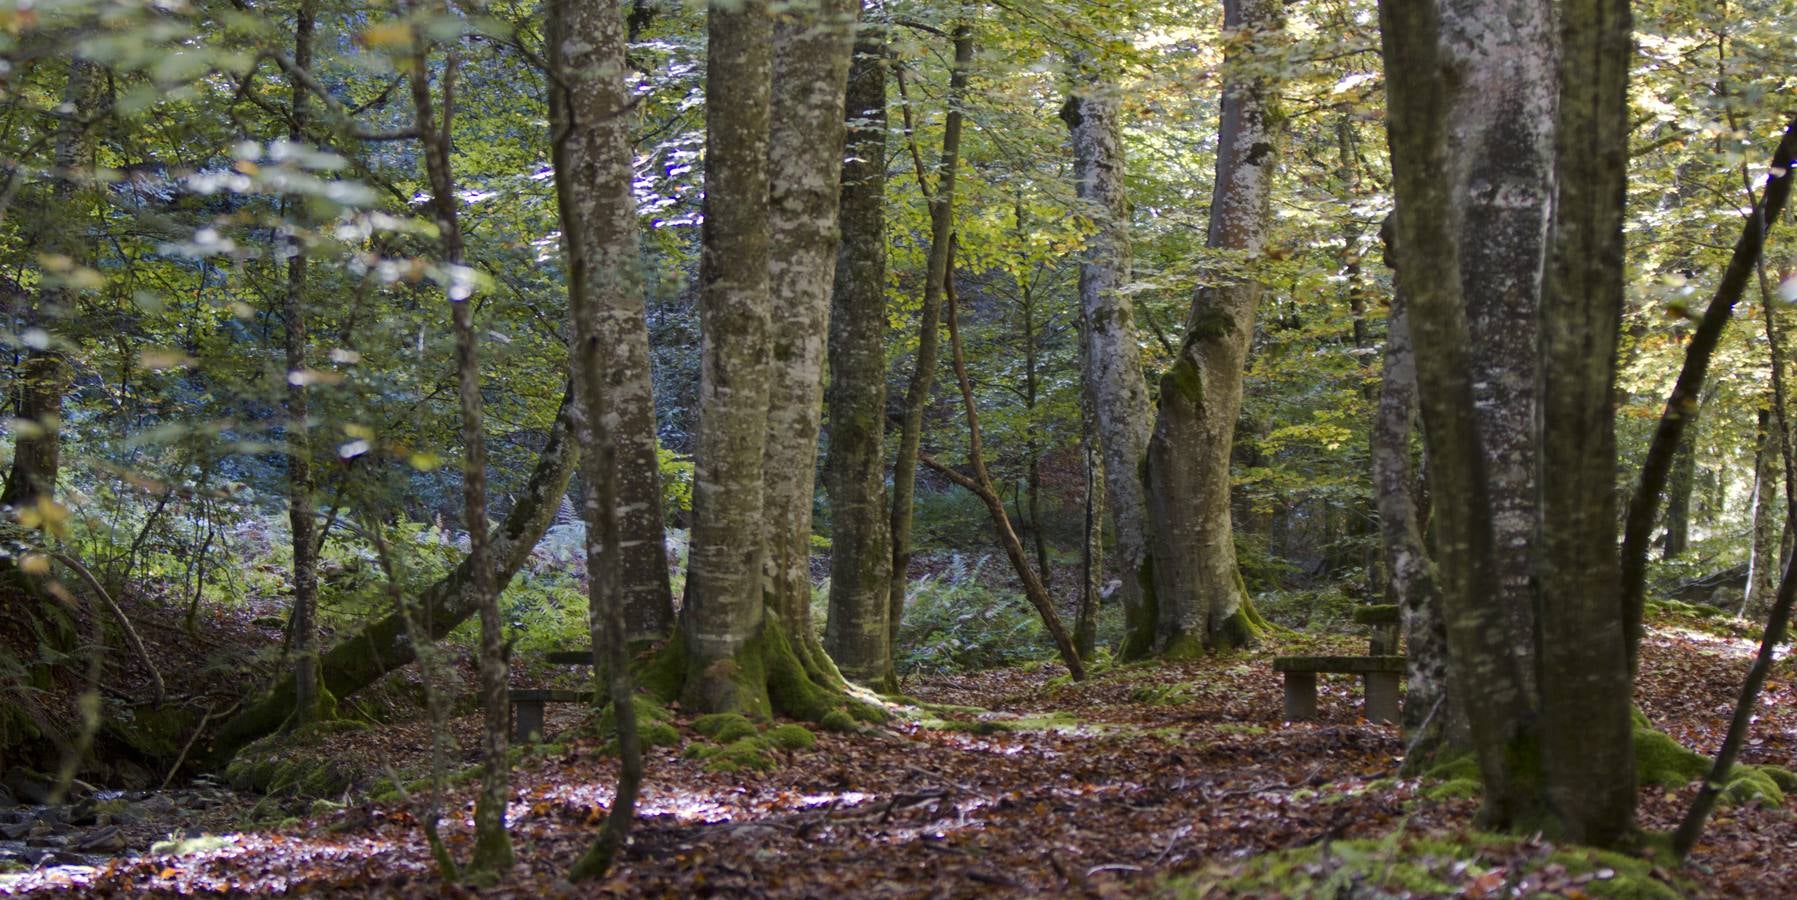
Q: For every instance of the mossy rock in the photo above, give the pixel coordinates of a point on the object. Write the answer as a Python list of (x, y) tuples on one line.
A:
[(654, 724), (1664, 762), (299, 763), (1750, 783), (725, 727), (1781, 776), (790, 736), (157, 733), (743, 755), (839, 720)]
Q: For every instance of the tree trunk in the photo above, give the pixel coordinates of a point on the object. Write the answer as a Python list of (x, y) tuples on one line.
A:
[(1197, 584), (1085, 624), (1679, 487), (37, 442), (812, 49), (1113, 363), (594, 171), (1410, 575), (917, 393), (492, 844), (300, 515), (1587, 745), (723, 609), (1763, 563), (856, 633), (361, 659)]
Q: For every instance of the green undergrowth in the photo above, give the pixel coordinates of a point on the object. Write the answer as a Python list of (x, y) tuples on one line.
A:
[(1407, 863), (1660, 761)]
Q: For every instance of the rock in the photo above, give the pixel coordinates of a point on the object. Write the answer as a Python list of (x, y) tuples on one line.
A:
[(16, 831), (103, 840), (6, 798), (155, 805), (47, 840), (28, 786)]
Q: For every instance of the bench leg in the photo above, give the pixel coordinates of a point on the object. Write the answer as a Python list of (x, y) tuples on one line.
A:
[(1300, 696), (527, 721), (1382, 697)]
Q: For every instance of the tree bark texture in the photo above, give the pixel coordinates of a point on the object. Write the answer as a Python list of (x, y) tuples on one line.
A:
[(1198, 591), (593, 168), (812, 48), (492, 844), (1679, 487), (592, 155), (1587, 745), (723, 611), (941, 199), (1113, 362), (1762, 564), (300, 515), (37, 448), (856, 633), (1482, 663)]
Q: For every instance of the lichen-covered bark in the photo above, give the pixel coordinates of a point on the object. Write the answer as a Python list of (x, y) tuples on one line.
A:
[(812, 47), (941, 199), (1482, 662), (300, 515), (1197, 584), (593, 168), (723, 610), (1501, 173), (590, 143), (1762, 564), (1113, 361), (1586, 733), (1410, 575), (856, 633), (359, 660), (37, 451)]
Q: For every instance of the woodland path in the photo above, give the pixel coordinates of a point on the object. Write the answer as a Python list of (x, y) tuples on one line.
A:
[(1099, 789)]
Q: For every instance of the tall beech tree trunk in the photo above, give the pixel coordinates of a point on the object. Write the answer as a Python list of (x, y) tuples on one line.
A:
[(1763, 559), (492, 844), (1679, 488), (941, 199), (591, 148), (856, 633), (1091, 582), (812, 48), (1410, 575), (361, 659), (37, 445), (594, 118), (300, 515), (723, 609), (1113, 362), (1198, 589), (1586, 685)]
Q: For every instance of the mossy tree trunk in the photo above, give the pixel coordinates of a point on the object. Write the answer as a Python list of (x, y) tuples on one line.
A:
[(813, 45), (1113, 362), (492, 844), (856, 633), (941, 200), (591, 147), (1199, 596)]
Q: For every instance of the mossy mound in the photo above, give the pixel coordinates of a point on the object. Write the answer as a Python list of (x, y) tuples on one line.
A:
[(749, 754), (1664, 762), (298, 764), (791, 736), (725, 727), (654, 724), (838, 720), (1660, 761), (1401, 864)]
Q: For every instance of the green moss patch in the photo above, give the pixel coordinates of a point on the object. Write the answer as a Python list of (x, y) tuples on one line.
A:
[(790, 737), (725, 727), (299, 764)]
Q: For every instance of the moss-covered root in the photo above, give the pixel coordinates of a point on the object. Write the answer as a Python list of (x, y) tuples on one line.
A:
[(767, 676)]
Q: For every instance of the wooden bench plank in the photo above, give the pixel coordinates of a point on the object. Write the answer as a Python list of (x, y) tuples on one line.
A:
[(1348, 665), (527, 709)]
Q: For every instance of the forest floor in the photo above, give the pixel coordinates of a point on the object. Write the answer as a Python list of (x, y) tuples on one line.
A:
[(1155, 779)]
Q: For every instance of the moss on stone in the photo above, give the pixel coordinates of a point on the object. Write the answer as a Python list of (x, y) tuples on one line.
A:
[(744, 755), (1664, 762), (1750, 783), (1781, 776), (790, 736), (838, 720)]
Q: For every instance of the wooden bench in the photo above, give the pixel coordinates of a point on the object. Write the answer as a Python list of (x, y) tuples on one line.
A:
[(527, 704), (1379, 672), (1379, 669)]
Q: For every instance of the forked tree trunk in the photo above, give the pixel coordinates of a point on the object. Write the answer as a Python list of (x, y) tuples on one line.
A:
[(1113, 361), (1198, 589), (492, 844), (856, 633), (812, 48)]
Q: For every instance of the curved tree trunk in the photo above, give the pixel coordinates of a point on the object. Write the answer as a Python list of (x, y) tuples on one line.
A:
[(812, 49), (917, 393), (1198, 588), (856, 633), (1113, 361)]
